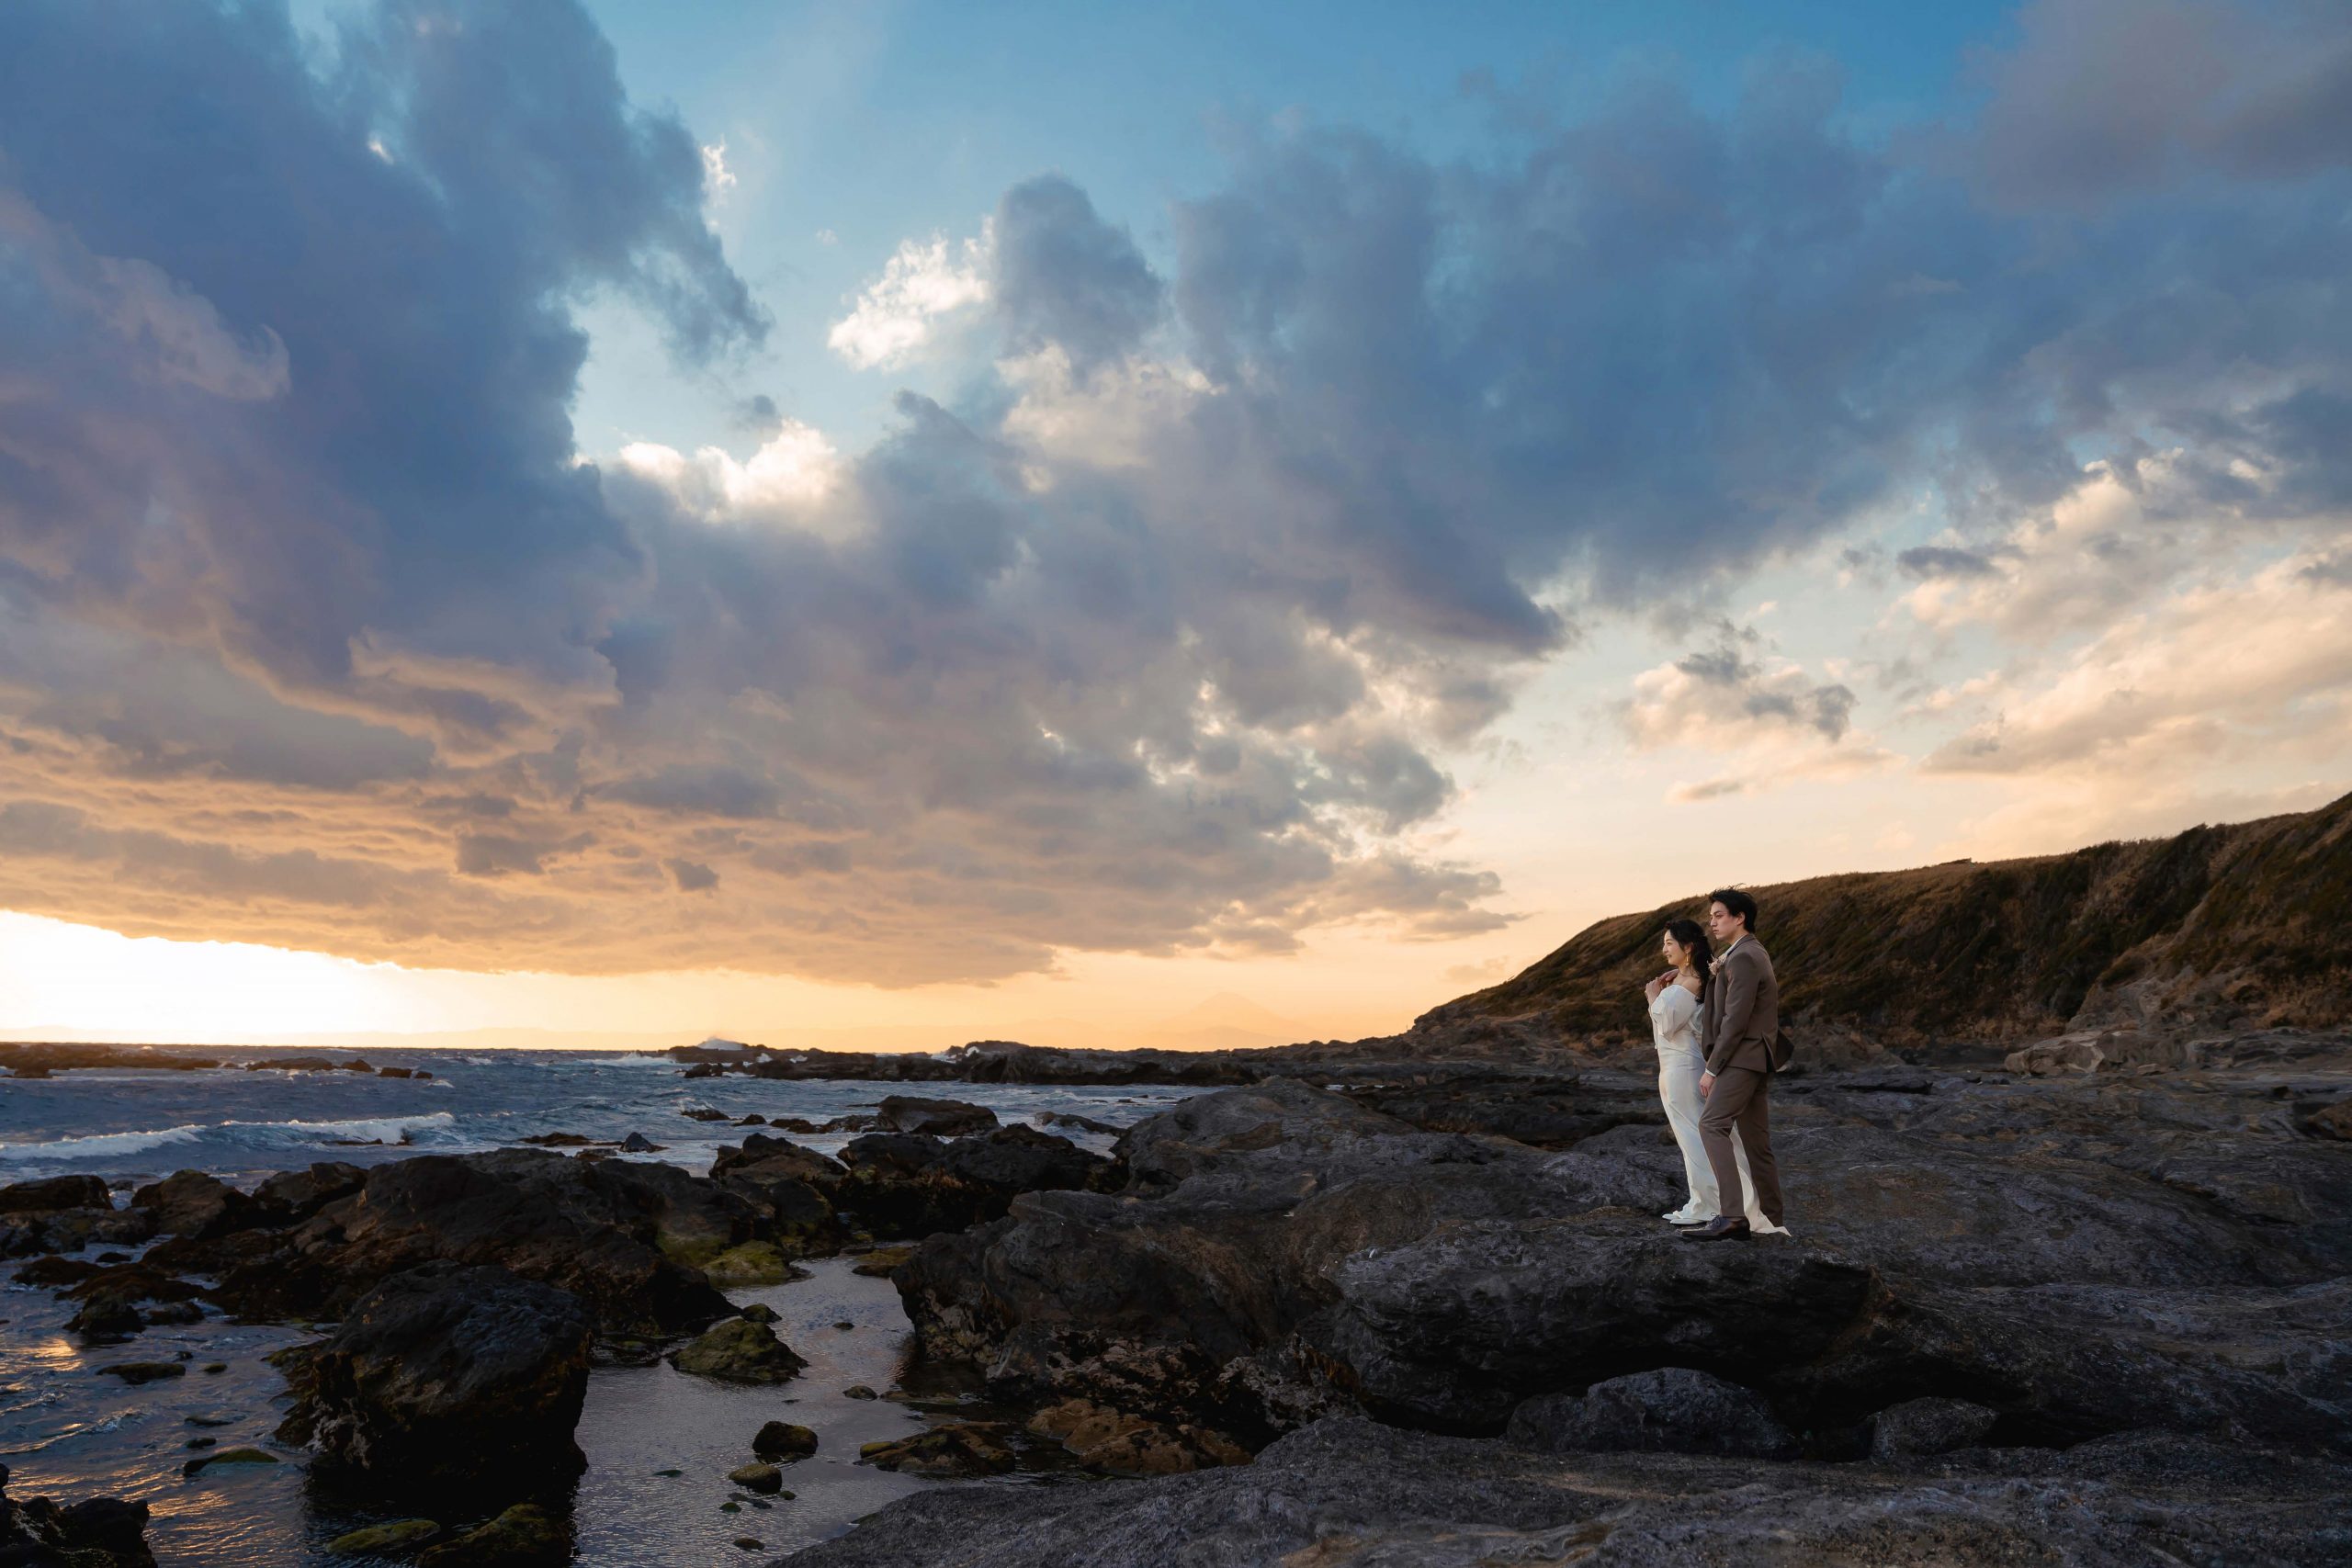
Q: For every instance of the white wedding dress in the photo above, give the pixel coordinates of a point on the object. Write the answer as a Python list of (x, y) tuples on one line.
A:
[(1674, 1028)]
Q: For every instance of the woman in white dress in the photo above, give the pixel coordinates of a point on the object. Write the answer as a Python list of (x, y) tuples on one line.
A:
[(1678, 1012)]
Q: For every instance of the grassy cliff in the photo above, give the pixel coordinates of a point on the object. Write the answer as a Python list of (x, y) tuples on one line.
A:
[(2244, 925)]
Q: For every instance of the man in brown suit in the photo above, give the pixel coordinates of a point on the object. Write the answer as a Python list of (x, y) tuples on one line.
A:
[(1743, 1018)]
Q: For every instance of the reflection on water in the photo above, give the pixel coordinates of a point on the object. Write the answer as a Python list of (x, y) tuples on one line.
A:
[(70, 1432)]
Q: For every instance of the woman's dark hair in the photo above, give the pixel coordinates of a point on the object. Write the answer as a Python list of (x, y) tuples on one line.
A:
[(1735, 902), (1694, 937)]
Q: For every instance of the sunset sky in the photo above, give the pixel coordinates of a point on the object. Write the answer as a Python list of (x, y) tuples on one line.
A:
[(910, 523)]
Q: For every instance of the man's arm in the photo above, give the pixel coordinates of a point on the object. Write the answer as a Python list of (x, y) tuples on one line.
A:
[(1737, 982)]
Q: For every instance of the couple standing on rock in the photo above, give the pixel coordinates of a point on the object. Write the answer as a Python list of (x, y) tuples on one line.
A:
[(1716, 1021)]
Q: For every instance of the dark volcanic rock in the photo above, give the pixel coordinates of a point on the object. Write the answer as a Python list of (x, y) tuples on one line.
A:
[(1452, 1331), (908, 1185), (940, 1118), (960, 1447), (190, 1203), (449, 1375), (1349, 1494), (99, 1532), (1672, 1410), (622, 1236), (1928, 1427), (2081, 1257), (57, 1193), (1143, 1303), (292, 1195), (125, 1299)]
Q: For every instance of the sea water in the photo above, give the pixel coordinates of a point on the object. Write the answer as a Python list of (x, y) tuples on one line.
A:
[(68, 1432)]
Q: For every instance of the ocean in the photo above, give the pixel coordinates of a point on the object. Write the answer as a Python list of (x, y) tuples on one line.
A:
[(69, 1433)]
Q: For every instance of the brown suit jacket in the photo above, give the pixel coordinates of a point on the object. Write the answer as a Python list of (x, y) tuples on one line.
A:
[(1743, 1010)]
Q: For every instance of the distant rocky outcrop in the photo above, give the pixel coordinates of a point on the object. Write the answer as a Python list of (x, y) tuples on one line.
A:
[(2217, 929)]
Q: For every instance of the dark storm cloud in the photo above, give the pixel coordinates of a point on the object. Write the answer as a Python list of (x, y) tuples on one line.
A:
[(1065, 276), (1152, 657)]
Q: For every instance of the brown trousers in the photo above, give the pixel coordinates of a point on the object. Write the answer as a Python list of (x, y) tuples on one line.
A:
[(1742, 1098)]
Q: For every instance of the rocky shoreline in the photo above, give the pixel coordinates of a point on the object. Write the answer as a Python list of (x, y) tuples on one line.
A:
[(1409, 1311)]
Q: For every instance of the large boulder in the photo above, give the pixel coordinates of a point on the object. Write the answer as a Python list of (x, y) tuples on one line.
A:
[(1673, 1410), (193, 1204), (1453, 1330), (449, 1374), (56, 1192), (98, 1532), (619, 1234), (940, 1118), (292, 1195), (1180, 1299), (907, 1185), (64, 1213)]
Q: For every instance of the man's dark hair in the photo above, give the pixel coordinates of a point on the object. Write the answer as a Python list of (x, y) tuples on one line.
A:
[(1737, 903)]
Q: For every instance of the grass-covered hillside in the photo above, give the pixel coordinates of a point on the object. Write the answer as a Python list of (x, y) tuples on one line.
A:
[(2237, 925)]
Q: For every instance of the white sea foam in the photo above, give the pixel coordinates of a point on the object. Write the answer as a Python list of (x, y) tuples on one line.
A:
[(104, 1145), (249, 1134)]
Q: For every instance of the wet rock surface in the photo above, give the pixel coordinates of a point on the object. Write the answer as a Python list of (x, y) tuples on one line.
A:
[(97, 1532), (739, 1350), (447, 1375)]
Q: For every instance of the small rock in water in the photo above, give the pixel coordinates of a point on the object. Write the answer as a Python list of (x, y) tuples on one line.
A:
[(731, 1507), (214, 1369), (397, 1536), (751, 1543), (759, 1311), (757, 1477), (704, 1114), (228, 1456), (199, 1442), (968, 1448), (143, 1372), (739, 1350), (784, 1440), (639, 1143), (672, 1472), (845, 1323), (207, 1419), (524, 1533), (859, 1391), (879, 1262), (751, 1263)]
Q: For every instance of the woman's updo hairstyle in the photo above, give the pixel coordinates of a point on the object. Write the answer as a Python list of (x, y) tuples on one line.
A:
[(1694, 937)]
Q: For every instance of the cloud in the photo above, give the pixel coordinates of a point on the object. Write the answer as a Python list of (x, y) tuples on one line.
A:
[(924, 284), (2257, 666), (317, 628), (1780, 721), (1066, 279), (2103, 100)]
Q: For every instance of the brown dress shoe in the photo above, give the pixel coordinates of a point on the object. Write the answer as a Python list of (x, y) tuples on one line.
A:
[(1724, 1227)]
